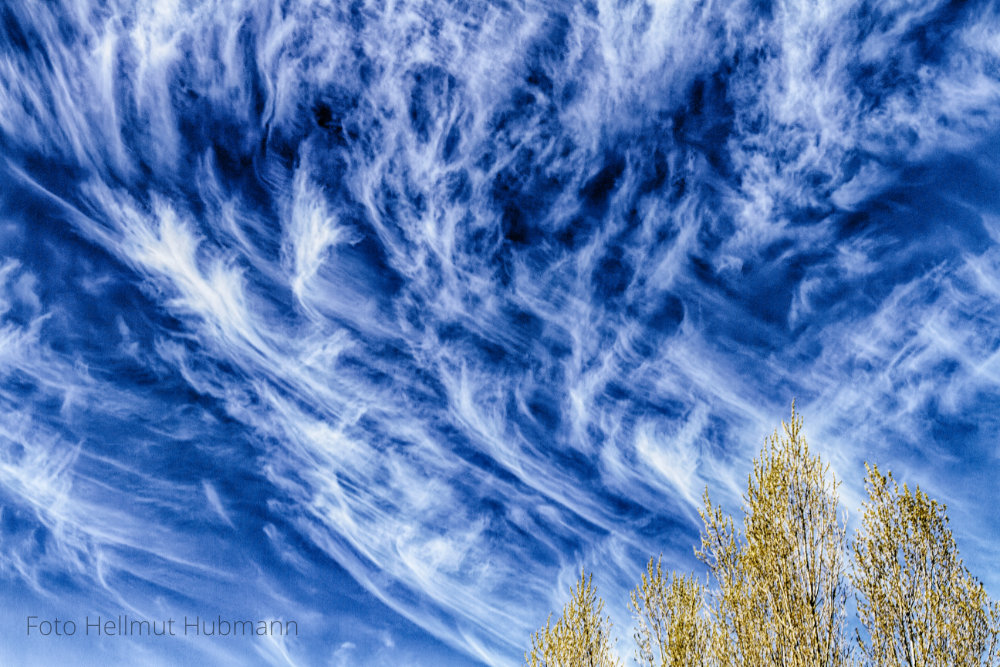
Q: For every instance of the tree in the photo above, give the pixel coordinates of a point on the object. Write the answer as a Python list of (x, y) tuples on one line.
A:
[(671, 629), (580, 638), (918, 604), (781, 581)]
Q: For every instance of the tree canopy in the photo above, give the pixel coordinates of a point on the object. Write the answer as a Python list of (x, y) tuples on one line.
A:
[(580, 638), (916, 601), (779, 582)]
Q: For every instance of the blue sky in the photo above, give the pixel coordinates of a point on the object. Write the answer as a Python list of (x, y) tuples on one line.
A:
[(388, 317)]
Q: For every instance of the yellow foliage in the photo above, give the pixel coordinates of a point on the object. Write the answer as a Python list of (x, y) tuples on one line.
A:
[(580, 638), (781, 581), (917, 603), (778, 583), (671, 628)]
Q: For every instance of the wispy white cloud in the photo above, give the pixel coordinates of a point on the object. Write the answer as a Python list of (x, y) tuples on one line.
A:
[(483, 314)]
